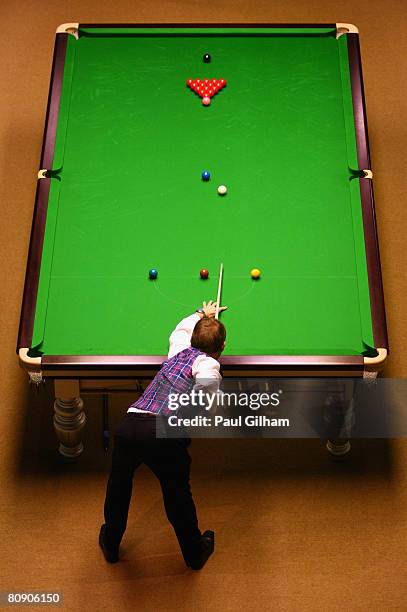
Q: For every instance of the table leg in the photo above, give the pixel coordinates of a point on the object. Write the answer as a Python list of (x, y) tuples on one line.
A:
[(69, 418), (342, 413)]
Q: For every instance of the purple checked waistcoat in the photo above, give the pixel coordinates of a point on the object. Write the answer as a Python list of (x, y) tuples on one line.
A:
[(175, 376)]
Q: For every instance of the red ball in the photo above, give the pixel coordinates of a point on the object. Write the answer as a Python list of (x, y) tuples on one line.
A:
[(204, 273)]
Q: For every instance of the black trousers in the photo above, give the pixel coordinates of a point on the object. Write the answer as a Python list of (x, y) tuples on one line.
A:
[(135, 442)]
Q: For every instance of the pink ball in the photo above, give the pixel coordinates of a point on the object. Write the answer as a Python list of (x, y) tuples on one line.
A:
[(206, 101)]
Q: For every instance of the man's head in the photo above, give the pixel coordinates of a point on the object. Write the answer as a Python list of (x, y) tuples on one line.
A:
[(209, 336)]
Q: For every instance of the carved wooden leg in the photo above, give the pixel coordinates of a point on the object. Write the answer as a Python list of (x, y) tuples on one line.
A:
[(69, 418), (344, 415)]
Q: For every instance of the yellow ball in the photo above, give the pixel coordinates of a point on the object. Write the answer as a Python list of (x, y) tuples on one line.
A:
[(255, 273)]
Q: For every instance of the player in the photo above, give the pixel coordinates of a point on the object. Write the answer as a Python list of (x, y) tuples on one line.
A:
[(195, 347)]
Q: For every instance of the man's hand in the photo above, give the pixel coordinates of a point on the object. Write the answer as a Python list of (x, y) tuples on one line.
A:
[(210, 308)]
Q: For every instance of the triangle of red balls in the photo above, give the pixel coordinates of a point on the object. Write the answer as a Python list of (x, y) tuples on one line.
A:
[(206, 87)]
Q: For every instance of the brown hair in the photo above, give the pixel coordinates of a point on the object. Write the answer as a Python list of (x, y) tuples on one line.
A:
[(209, 336)]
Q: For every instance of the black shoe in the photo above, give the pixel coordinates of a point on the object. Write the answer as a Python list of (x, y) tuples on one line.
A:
[(208, 546), (110, 551)]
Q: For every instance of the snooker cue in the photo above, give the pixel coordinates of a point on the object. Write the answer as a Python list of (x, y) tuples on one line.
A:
[(219, 291)]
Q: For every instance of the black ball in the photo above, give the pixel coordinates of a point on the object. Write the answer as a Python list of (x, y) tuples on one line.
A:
[(206, 58)]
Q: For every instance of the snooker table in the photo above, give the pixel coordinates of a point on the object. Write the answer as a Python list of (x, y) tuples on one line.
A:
[(119, 192)]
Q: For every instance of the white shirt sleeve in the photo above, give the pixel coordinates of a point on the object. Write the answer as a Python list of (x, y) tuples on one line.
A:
[(180, 338), (205, 371)]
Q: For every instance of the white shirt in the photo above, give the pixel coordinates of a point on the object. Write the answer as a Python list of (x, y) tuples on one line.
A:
[(205, 369)]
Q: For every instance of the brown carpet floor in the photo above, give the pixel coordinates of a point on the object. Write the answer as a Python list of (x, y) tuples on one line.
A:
[(295, 530)]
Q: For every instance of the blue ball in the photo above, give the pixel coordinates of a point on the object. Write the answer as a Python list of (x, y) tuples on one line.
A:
[(206, 175), (153, 274)]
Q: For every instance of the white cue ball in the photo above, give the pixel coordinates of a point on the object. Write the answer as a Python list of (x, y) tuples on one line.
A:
[(222, 190)]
